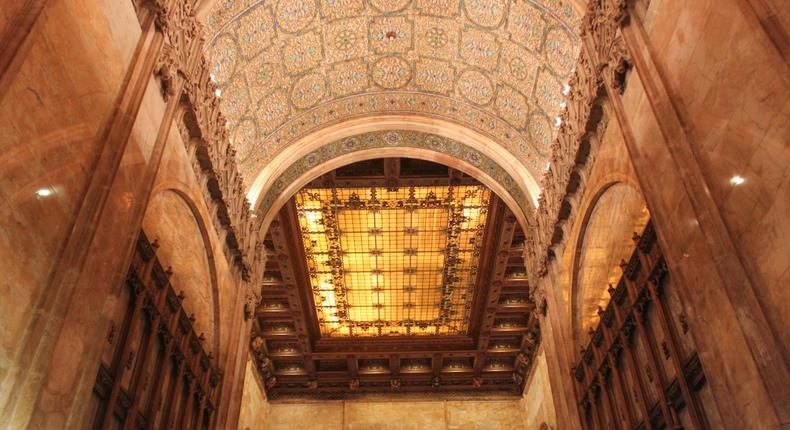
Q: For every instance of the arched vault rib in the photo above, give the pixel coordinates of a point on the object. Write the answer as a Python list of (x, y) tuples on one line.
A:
[(275, 186)]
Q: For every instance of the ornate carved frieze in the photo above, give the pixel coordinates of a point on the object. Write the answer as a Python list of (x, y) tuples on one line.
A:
[(603, 60), (181, 60)]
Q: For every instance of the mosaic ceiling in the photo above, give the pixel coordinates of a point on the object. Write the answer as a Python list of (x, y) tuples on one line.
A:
[(287, 68), (400, 261)]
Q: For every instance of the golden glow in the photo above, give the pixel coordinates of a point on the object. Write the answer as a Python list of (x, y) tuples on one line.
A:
[(400, 262)]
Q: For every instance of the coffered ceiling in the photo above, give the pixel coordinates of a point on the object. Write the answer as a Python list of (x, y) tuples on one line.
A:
[(290, 67)]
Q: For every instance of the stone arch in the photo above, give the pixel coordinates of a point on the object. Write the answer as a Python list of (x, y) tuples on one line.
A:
[(517, 187), (617, 209), (198, 279)]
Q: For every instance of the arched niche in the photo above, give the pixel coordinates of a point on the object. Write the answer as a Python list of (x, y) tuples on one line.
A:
[(172, 219), (615, 213), (462, 149)]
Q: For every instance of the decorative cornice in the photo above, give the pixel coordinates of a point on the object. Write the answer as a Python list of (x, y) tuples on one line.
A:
[(604, 58), (204, 126)]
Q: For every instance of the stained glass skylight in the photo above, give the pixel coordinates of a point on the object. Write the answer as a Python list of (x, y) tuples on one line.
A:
[(393, 262)]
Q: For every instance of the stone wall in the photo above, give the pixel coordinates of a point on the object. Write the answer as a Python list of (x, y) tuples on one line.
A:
[(255, 408), (732, 87), (93, 115), (697, 93), (397, 414), (53, 112), (537, 401)]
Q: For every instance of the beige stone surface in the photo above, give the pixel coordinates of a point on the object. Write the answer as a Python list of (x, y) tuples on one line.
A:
[(733, 89), (537, 401), (254, 412), (491, 415), (170, 221), (319, 416), (394, 415), (398, 414), (52, 113)]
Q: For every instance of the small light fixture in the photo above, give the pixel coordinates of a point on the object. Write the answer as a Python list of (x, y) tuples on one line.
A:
[(563, 104), (391, 35), (213, 78), (737, 180), (566, 89), (218, 92), (44, 192), (557, 121)]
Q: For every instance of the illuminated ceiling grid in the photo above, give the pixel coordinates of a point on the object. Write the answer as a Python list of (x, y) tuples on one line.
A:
[(393, 262)]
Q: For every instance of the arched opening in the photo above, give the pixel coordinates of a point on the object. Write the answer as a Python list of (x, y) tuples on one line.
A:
[(174, 223), (382, 254), (615, 214), (337, 146)]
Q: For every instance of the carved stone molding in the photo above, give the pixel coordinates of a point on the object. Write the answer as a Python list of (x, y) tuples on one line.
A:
[(604, 57), (203, 126)]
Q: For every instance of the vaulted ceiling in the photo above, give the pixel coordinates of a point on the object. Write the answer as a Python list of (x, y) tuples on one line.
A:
[(290, 67)]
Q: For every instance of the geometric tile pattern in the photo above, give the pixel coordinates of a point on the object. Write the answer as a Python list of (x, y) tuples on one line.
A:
[(392, 262), (289, 67)]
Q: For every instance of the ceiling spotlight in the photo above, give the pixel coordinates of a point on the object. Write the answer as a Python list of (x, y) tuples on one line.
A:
[(44, 192), (566, 89), (737, 180), (557, 121), (218, 92)]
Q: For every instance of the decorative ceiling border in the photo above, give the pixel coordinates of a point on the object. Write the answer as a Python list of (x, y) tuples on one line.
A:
[(529, 145), (384, 139)]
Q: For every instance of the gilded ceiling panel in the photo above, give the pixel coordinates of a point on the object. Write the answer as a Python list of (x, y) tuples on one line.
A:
[(290, 67), (399, 261)]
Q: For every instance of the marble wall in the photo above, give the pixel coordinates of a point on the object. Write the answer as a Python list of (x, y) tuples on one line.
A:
[(71, 127), (170, 222), (727, 242), (398, 414), (724, 114), (732, 86), (53, 110), (254, 407), (537, 401)]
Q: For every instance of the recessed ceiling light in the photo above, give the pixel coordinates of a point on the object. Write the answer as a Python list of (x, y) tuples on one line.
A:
[(218, 92), (737, 180), (44, 192)]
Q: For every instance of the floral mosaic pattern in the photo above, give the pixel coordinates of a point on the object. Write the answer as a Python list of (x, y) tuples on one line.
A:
[(288, 68)]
